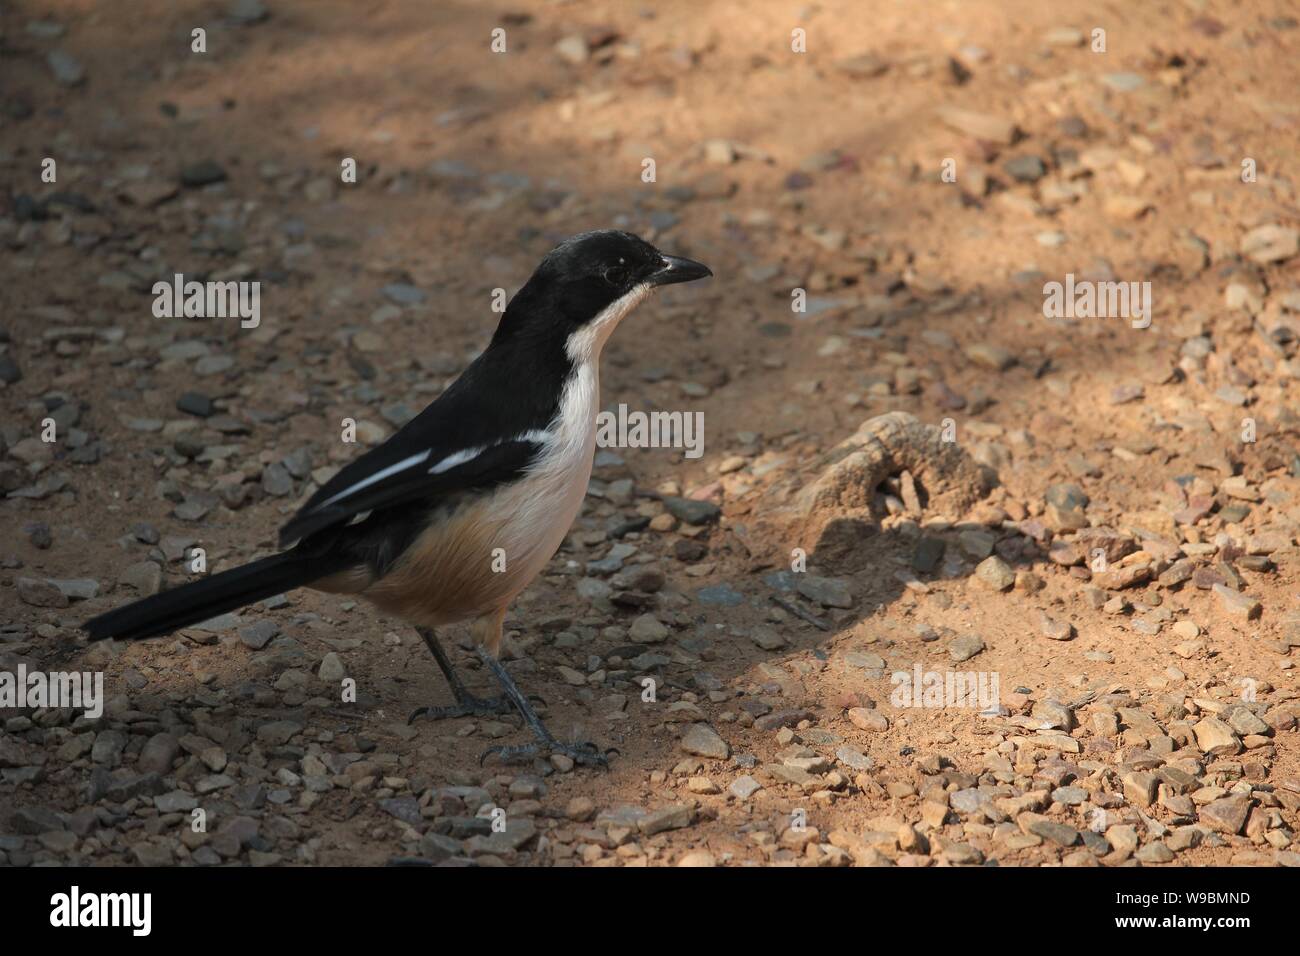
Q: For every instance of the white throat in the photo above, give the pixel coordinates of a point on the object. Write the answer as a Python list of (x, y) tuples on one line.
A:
[(584, 345)]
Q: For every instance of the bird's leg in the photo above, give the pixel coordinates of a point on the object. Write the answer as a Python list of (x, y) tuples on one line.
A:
[(584, 753), (467, 705)]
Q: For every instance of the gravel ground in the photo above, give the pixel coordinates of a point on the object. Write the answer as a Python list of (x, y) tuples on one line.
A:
[(1108, 551)]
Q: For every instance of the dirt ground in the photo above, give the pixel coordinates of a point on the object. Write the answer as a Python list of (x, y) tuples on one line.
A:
[(921, 171)]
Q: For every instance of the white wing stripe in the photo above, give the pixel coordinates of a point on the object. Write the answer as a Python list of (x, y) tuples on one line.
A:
[(451, 461), (469, 454), (459, 458), (377, 476)]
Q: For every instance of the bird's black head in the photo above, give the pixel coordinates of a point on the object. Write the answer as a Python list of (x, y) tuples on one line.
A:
[(590, 281)]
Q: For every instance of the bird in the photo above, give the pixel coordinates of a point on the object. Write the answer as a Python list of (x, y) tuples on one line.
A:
[(452, 516)]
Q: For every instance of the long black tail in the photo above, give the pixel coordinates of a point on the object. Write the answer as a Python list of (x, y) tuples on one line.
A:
[(200, 600)]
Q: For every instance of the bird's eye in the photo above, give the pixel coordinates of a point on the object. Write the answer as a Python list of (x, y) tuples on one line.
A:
[(616, 275)]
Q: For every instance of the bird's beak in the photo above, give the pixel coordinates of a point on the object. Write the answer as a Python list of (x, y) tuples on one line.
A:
[(677, 269)]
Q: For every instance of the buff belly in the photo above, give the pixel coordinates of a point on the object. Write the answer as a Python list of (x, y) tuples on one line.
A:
[(473, 560)]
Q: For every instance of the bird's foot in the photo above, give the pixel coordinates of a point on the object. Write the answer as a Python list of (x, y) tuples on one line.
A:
[(467, 705), (585, 753)]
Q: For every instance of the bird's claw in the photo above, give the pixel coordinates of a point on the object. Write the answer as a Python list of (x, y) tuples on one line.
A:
[(468, 707), (584, 754)]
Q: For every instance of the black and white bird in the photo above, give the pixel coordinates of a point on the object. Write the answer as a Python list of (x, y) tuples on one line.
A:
[(452, 517)]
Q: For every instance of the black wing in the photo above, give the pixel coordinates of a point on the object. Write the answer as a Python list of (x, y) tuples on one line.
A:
[(487, 428), (370, 483)]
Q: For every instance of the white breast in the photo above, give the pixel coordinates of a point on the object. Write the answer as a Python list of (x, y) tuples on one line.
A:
[(545, 503)]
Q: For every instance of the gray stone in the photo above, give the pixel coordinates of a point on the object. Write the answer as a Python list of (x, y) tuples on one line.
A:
[(692, 511), (1056, 630), (1059, 833), (248, 11), (331, 668), (721, 595), (1242, 721), (258, 634), (108, 748), (767, 638), (45, 29), (647, 629), (153, 854), (404, 294), (1154, 853), (854, 758), (991, 356), (865, 660), (1025, 169), (744, 787), (39, 593), (1070, 796), (123, 785), (986, 126), (158, 753), (703, 741), (406, 809), (67, 69), (437, 847), (276, 480), (1227, 815), (928, 554), (1270, 243), (1123, 82), (1067, 497), (1053, 714), (195, 403), (144, 576), (995, 574), (278, 732), (828, 592), (1237, 604), (669, 818), (35, 820), (518, 831), (177, 801), (965, 647), (968, 801), (77, 589), (203, 173)]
